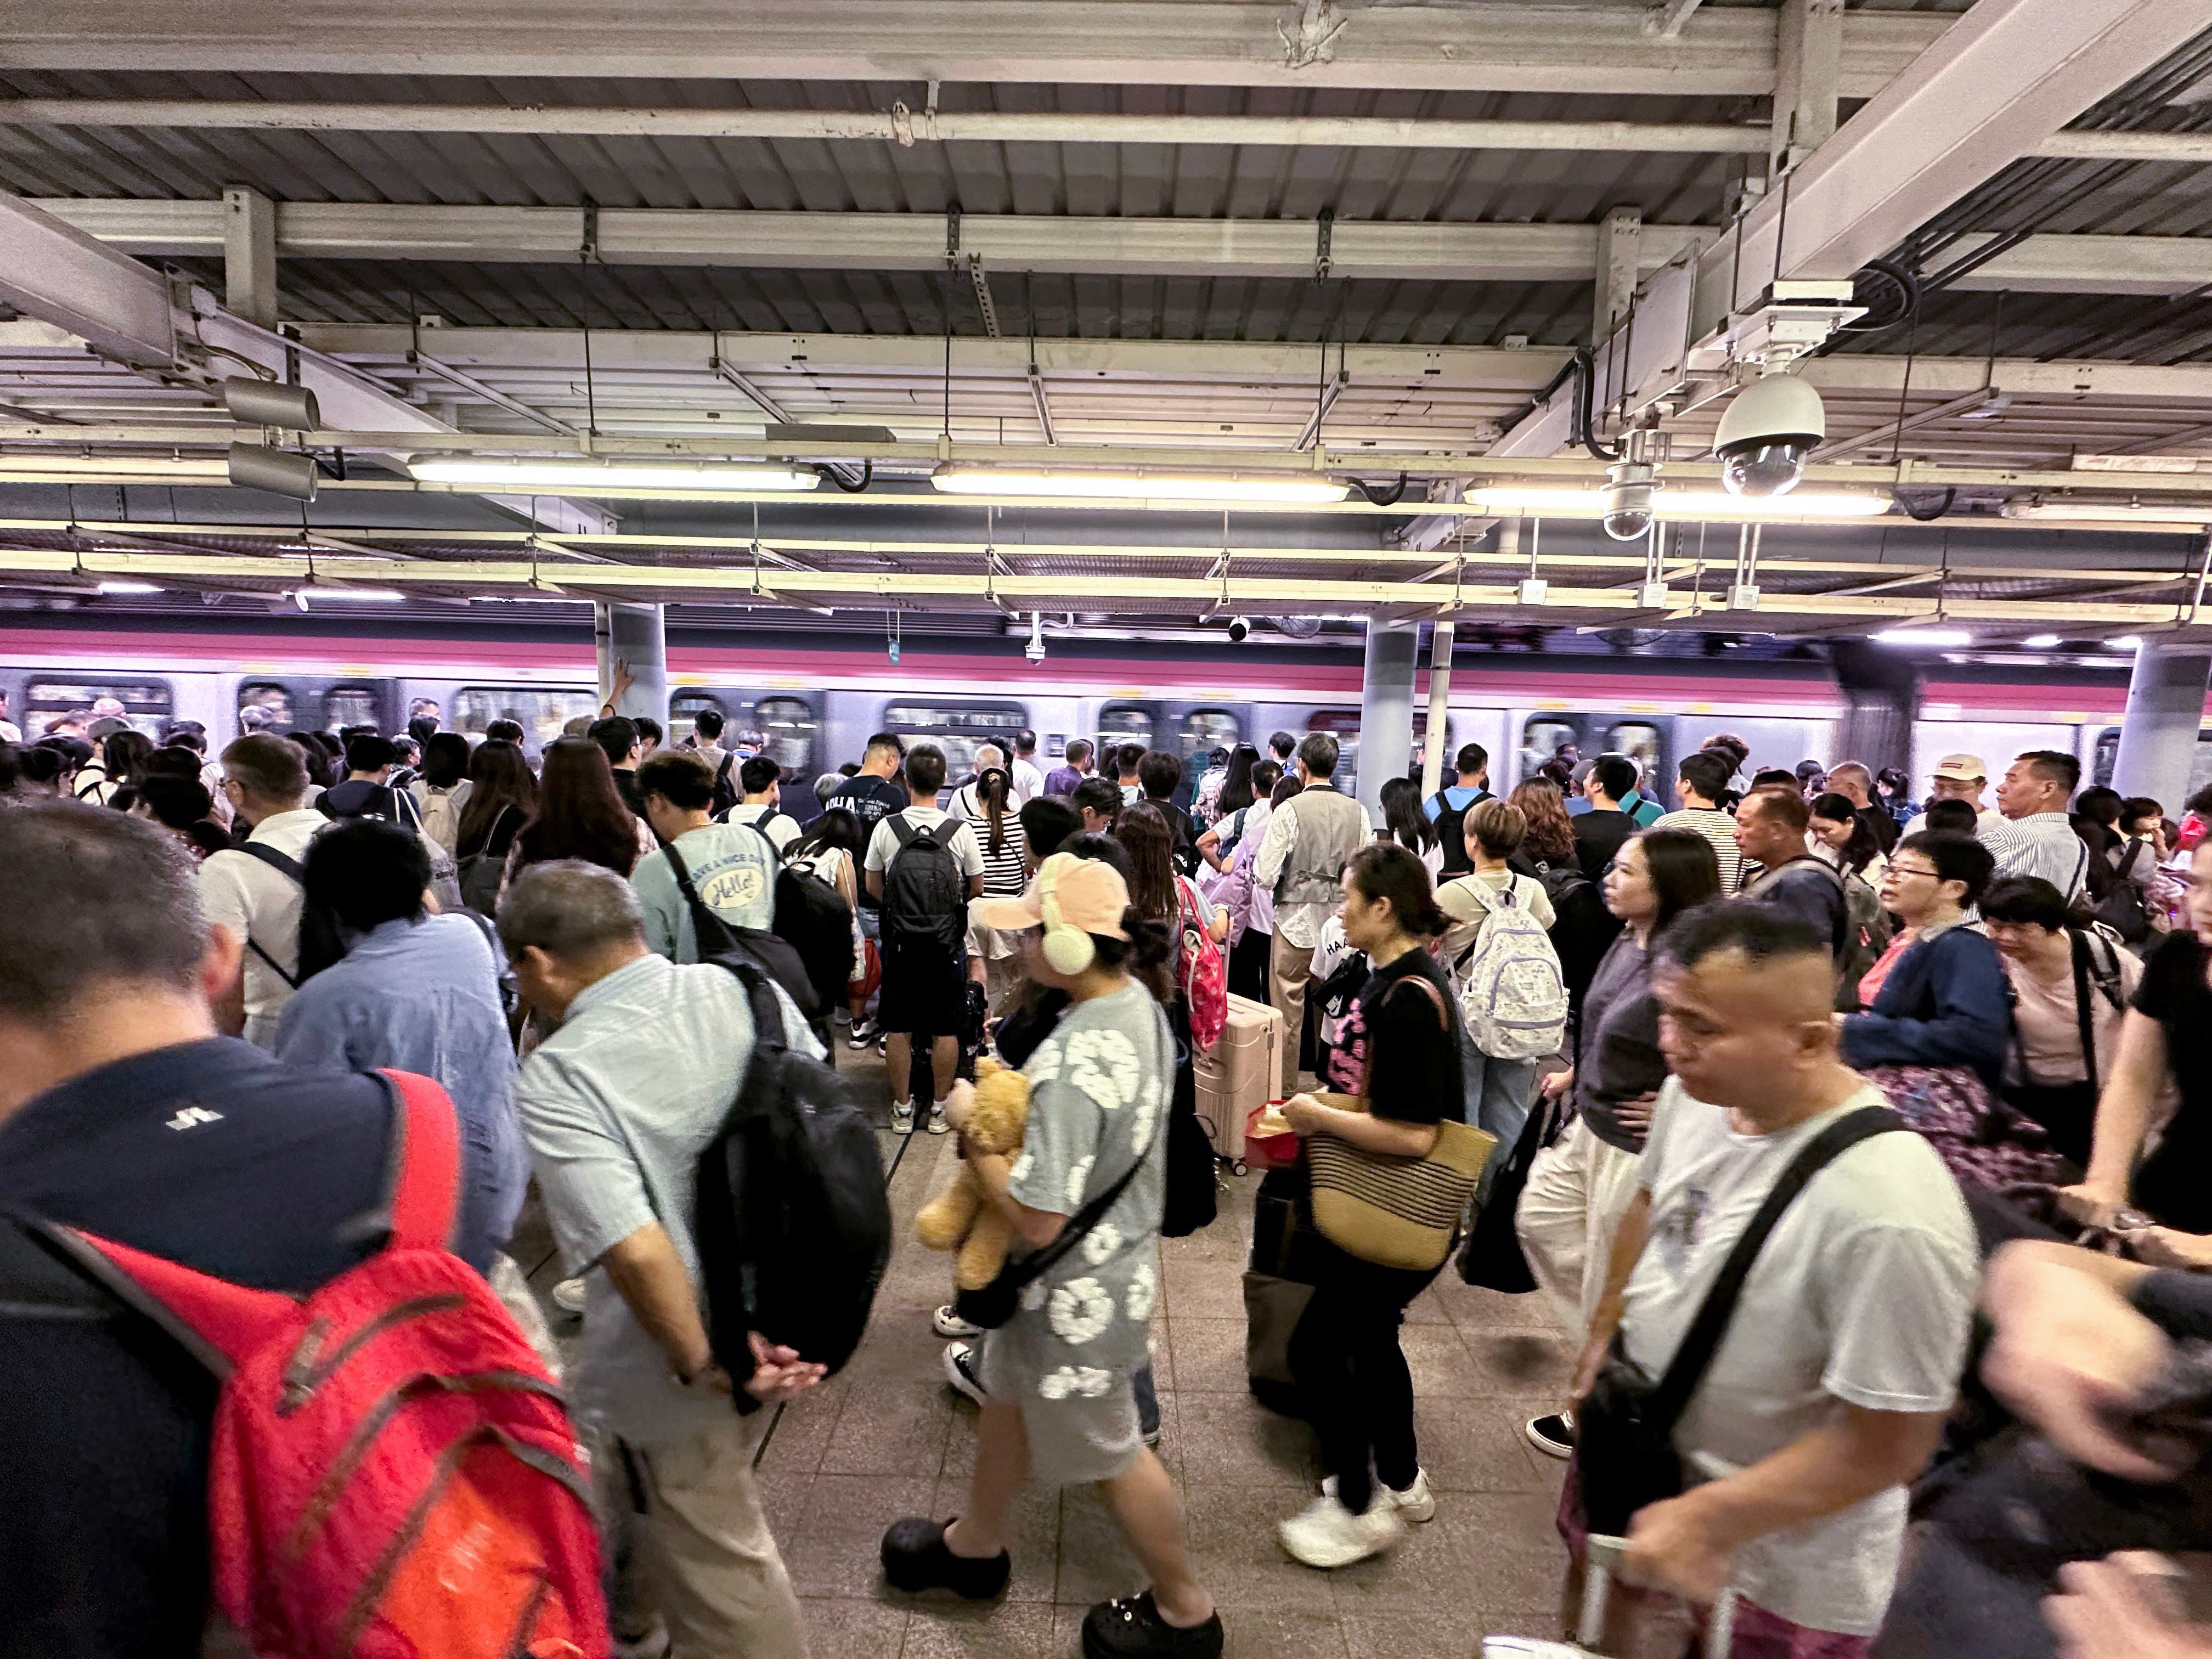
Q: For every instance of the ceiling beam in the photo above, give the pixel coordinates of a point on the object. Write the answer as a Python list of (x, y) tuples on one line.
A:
[(2006, 77), (1103, 246), (1723, 50)]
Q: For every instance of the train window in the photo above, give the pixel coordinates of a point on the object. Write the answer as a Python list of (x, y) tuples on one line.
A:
[(1207, 729), (542, 710), (2107, 757), (146, 703), (684, 708), (786, 727), (351, 705), (1125, 722), (264, 706), (959, 729), (1638, 740), (1540, 739)]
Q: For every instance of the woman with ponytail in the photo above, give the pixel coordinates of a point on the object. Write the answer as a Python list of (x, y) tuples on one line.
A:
[(1059, 1375), (1399, 1052)]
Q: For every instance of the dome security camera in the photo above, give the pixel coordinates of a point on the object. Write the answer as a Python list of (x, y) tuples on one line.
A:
[(1767, 433), (1630, 489), (1240, 630)]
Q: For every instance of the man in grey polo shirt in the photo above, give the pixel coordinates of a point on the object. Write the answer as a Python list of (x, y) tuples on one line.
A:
[(617, 1104)]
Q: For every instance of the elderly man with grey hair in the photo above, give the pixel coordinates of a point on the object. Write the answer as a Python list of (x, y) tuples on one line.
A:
[(617, 1103)]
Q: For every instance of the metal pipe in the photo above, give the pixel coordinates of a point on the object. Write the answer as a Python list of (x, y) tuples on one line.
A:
[(1436, 737)]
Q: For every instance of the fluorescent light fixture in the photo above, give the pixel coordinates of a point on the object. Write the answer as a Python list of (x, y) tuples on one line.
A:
[(130, 588), (2181, 516), (2040, 641), (115, 466), (1693, 505), (1924, 636), (1137, 486), (360, 595), (2125, 642), (704, 481)]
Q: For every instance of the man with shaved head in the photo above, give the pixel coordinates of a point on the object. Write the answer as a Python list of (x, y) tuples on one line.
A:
[(1828, 1390)]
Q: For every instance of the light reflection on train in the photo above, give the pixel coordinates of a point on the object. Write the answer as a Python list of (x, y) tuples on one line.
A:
[(811, 728)]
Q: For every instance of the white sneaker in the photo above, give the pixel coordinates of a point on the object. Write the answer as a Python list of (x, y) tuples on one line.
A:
[(1326, 1535), (960, 1372), (947, 1323), (938, 1126), (1416, 1504), (654, 1644), (902, 1117), (568, 1296), (863, 1032)]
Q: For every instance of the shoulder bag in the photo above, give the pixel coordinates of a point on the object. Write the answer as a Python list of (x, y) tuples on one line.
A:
[(1397, 1212), (1625, 1428)]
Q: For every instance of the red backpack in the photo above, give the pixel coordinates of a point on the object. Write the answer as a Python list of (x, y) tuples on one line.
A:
[(392, 1473), (1203, 975)]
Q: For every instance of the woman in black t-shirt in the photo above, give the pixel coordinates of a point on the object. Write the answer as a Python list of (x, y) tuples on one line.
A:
[(2165, 1040), (1400, 1050)]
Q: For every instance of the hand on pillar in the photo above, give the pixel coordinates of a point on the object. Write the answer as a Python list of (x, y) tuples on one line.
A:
[(623, 680)]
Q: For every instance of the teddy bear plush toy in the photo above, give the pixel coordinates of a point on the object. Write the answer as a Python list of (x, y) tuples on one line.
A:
[(959, 1219)]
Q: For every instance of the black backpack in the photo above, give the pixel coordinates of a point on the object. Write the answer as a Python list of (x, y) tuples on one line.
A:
[(813, 917), (725, 787), (2120, 907), (925, 895), (793, 1223), (1582, 929), (321, 940), (1451, 831)]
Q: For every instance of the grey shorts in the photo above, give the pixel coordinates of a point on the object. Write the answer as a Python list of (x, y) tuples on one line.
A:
[(1087, 1434)]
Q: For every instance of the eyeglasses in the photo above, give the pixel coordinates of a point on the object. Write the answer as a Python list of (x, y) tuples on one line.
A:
[(1909, 870)]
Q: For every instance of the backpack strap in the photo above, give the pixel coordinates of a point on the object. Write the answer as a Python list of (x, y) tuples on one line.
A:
[(2128, 860), (264, 853), (426, 1184), (1687, 1368)]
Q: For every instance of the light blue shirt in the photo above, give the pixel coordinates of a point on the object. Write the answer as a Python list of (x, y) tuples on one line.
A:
[(732, 868), (1458, 796), (617, 1104), (424, 996)]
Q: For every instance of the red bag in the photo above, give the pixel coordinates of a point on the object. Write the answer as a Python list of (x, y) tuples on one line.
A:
[(1202, 974), (392, 1473)]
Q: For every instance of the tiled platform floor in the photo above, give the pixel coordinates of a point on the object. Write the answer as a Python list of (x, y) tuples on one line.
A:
[(888, 1438)]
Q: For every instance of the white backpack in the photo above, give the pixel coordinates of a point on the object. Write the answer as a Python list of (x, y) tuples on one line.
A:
[(1512, 993)]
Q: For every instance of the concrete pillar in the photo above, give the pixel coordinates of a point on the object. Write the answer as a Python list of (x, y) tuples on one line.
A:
[(1881, 690), (1808, 67), (249, 256), (2159, 734), (1437, 742), (1620, 266), (634, 636), (1386, 708)]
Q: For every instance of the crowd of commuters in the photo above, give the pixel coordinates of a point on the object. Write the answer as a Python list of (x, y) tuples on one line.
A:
[(1958, 1037)]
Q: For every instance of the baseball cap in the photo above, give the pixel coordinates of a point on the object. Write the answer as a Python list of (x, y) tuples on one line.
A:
[(108, 725), (1091, 896), (1961, 769)]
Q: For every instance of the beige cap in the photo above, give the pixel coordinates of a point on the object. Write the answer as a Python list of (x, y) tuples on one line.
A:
[(1962, 769), (1090, 896)]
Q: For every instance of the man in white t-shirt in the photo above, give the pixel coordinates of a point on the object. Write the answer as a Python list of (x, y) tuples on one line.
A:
[(256, 896), (925, 991), (1828, 1392), (1028, 782), (762, 805)]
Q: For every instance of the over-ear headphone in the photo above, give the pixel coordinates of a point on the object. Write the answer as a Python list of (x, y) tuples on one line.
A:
[(1068, 949)]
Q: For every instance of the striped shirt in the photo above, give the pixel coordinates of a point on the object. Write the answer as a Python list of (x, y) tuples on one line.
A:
[(1717, 827), (2041, 844), (1007, 870)]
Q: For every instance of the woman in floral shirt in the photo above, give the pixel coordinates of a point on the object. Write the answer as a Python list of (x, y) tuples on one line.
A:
[(1062, 1408)]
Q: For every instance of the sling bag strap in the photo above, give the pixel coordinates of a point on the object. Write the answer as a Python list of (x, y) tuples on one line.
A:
[(2108, 987), (710, 933), (1688, 1369), (261, 853)]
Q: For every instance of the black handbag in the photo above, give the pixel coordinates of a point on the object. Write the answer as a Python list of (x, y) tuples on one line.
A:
[(1492, 1256), (1625, 1428)]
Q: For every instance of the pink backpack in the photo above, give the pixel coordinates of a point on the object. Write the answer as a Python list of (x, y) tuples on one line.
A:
[(392, 1473), (1202, 972)]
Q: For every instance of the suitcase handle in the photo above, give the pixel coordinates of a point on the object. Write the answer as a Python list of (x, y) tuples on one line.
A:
[(1602, 1554)]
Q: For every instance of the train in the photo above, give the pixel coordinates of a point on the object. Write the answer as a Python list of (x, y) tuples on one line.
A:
[(811, 697)]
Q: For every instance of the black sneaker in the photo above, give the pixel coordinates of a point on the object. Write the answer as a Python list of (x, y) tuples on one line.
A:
[(1553, 1436), (1132, 1628), (915, 1558)]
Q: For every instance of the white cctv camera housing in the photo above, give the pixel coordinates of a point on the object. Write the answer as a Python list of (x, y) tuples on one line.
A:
[(1240, 630), (1034, 650), (1767, 433), (1630, 490)]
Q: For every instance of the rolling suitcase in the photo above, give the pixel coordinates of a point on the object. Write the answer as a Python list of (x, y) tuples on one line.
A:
[(1604, 1555), (1238, 1073)]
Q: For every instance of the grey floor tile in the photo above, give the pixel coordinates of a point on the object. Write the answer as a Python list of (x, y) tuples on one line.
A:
[(1521, 1364), (939, 1630), (804, 1429), (1450, 1630), (1231, 1440), (891, 1429), (852, 1628), (1238, 1557), (836, 1548), (1469, 1445), (1439, 1361), (1474, 1308), (1096, 1563), (1209, 1356), (1430, 1567), (1205, 1290)]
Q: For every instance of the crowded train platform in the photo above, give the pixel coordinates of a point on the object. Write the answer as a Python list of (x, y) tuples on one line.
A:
[(1264, 829)]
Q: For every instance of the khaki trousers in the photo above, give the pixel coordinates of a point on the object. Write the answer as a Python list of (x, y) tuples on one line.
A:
[(699, 1545), (1288, 970), (1579, 1189)]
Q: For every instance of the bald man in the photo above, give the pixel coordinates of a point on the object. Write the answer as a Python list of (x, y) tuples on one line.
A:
[(1828, 1392)]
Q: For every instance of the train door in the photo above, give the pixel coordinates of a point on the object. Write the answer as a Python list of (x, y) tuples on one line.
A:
[(1773, 743), (1575, 735), (1198, 729), (304, 704), (2106, 758), (145, 703), (540, 710), (959, 726), (782, 725), (1123, 722)]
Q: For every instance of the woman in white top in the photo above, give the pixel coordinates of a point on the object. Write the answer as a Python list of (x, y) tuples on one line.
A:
[(1405, 822), (1840, 838), (442, 792)]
